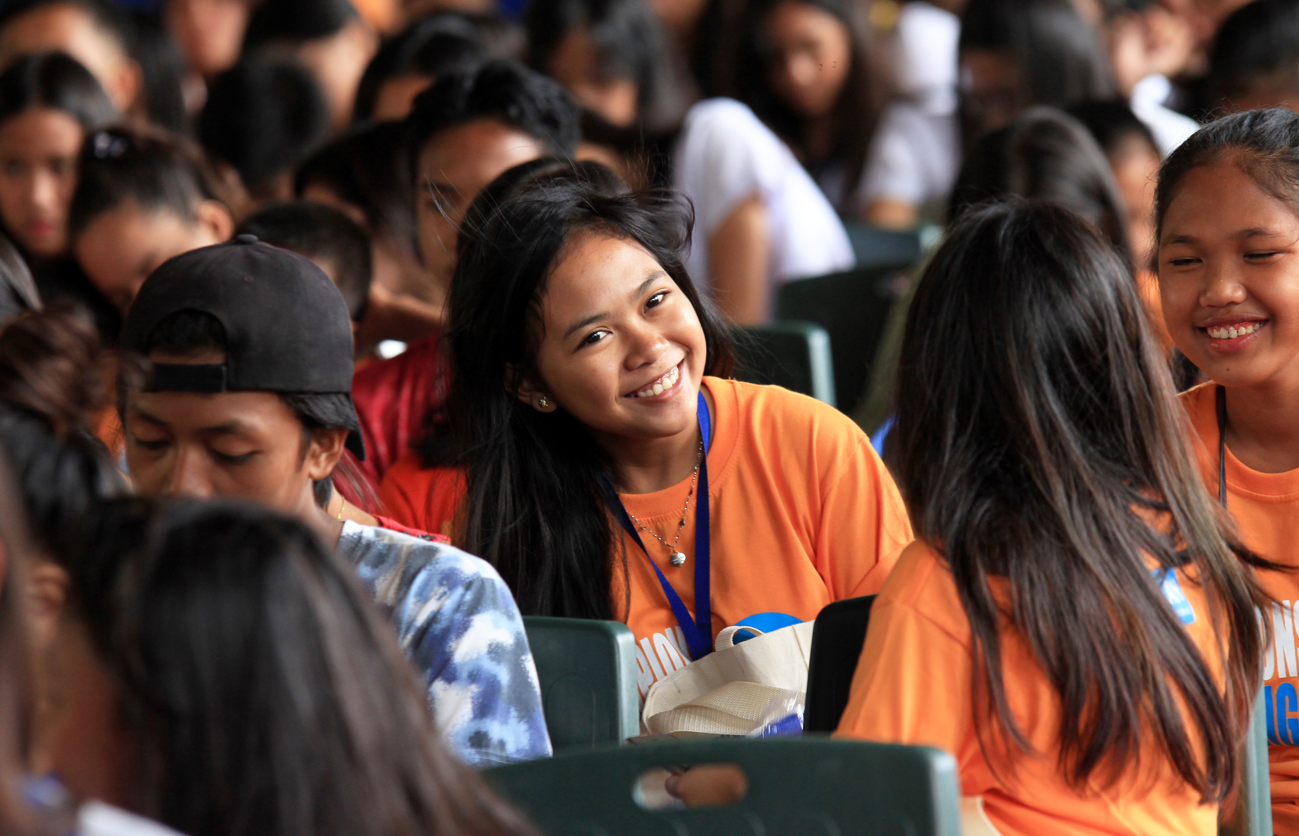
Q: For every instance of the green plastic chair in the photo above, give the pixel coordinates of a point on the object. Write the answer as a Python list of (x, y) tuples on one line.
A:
[(795, 355), (797, 787), (588, 672), (853, 308), (1253, 816)]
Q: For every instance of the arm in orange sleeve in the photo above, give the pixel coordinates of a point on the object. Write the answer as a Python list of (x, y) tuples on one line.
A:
[(912, 685), (864, 524)]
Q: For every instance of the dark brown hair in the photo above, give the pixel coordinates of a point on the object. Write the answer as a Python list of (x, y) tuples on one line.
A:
[(1038, 440)]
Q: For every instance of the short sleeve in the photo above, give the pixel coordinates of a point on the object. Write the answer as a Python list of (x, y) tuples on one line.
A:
[(912, 684), (864, 523), (470, 644), (914, 157)]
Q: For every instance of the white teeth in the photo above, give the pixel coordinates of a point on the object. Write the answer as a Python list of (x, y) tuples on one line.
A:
[(661, 385), (1232, 332)]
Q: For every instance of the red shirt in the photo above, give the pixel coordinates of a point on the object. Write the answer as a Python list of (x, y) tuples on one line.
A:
[(394, 397)]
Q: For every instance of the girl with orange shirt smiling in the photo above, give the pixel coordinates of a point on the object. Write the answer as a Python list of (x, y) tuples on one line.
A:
[(609, 470), (1227, 214)]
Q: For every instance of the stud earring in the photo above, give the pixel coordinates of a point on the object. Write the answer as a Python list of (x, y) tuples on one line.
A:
[(543, 403)]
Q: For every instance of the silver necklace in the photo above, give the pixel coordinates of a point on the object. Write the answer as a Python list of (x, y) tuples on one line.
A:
[(678, 558)]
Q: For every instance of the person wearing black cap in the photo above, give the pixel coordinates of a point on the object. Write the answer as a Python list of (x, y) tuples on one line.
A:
[(236, 378)]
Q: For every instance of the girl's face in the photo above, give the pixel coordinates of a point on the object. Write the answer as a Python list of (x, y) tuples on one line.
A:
[(810, 55), (577, 65), (992, 89), (119, 248), (1229, 278), (38, 173), (621, 348)]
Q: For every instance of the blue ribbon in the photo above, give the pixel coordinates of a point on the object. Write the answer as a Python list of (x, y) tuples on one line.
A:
[(699, 631)]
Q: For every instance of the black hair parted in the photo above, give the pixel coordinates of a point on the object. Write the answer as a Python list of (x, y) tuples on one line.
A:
[(1262, 143), (151, 168), (296, 21), (1256, 50), (432, 46), (56, 81), (263, 116), (261, 691), (108, 16), (321, 232), (536, 484), (504, 90), (630, 44)]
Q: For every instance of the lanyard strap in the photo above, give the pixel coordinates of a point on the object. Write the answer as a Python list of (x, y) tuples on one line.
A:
[(1222, 445), (699, 630)]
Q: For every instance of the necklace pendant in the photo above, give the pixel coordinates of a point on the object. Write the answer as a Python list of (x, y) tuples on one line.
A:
[(678, 558)]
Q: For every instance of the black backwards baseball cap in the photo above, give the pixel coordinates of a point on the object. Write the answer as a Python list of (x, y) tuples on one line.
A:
[(287, 327)]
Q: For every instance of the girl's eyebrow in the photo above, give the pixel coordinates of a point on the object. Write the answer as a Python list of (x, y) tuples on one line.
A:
[(1244, 234), (593, 318)]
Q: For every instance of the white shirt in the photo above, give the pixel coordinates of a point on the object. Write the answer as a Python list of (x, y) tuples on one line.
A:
[(1169, 127), (724, 156)]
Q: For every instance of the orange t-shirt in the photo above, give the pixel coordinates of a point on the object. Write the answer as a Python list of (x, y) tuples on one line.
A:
[(1266, 509), (803, 513), (913, 685), (423, 498)]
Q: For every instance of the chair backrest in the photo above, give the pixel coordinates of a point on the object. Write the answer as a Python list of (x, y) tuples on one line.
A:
[(795, 786), (837, 639), (1253, 814), (587, 671), (795, 355), (874, 247), (853, 308)]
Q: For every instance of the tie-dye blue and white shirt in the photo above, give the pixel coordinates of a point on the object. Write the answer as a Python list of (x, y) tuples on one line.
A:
[(459, 624)]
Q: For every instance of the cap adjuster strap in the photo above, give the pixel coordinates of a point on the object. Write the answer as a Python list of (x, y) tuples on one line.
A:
[(185, 377)]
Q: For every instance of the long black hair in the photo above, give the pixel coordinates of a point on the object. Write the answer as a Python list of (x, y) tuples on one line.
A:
[(55, 81), (535, 506), (260, 688), (857, 111), (1038, 440)]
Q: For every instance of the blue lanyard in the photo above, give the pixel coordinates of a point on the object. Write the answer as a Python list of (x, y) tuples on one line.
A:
[(699, 631)]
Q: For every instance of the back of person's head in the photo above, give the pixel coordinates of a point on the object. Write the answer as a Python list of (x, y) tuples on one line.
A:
[(1255, 57), (1046, 156), (366, 168), (154, 169), (1113, 124), (522, 465), (51, 392), (335, 242), (259, 688), (1038, 440), (425, 50), (296, 21), (628, 44), (500, 90), (55, 81), (1057, 58), (264, 116)]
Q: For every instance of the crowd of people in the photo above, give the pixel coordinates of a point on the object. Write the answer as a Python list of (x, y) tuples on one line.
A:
[(337, 336)]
